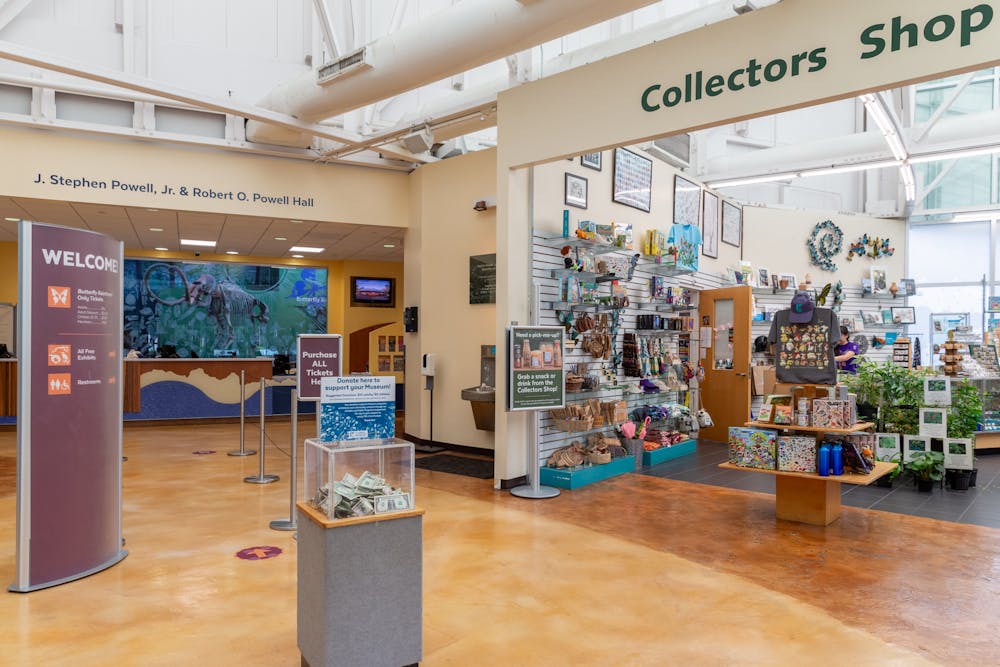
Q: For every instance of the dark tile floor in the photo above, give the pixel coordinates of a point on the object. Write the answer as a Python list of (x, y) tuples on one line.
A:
[(979, 505)]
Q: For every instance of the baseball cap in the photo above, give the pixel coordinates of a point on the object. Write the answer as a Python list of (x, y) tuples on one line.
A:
[(801, 308)]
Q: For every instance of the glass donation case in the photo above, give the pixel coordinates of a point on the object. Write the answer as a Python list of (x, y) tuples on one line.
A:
[(355, 478)]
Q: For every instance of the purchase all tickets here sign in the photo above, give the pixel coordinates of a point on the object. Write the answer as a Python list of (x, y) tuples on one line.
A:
[(318, 357)]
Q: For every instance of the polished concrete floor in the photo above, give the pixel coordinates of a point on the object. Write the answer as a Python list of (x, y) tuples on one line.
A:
[(637, 570)]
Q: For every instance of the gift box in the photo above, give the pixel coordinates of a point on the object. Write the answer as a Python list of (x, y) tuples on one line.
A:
[(752, 447), (796, 453), (830, 414)]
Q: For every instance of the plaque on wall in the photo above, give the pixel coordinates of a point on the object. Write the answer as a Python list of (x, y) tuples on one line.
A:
[(483, 278)]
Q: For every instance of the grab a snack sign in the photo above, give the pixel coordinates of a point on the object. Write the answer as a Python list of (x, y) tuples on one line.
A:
[(535, 377)]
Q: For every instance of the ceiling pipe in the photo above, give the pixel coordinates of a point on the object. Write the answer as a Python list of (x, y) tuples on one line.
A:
[(464, 36)]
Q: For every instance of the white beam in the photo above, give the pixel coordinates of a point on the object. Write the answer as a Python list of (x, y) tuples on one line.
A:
[(21, 54), (9, 9), (943, 109), (326, 27)]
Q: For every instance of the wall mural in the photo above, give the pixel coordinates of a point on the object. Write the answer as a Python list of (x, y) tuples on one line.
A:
[(208, 309)]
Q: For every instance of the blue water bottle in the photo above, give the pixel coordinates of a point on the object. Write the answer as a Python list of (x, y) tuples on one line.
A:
[(823, 460), (837, 458)]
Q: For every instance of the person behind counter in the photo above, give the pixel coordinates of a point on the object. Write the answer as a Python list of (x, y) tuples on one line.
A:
[(846, 353)]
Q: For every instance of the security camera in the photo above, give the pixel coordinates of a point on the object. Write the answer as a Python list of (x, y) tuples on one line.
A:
[(483, 204), (197, 254)]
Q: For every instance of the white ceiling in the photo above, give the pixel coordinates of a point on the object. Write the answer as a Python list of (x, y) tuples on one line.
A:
[(246, 235)]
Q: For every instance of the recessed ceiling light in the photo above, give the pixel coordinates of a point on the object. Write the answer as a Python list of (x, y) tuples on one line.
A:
[(163, 249), (298, 256), (388, 245), (196, 242), (232, 252), (280, 238), (156, 229), (13, 219), (302, 248), (295, 222), (152, 210)]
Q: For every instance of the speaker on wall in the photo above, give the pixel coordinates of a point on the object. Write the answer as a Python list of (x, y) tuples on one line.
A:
[(410, 319)]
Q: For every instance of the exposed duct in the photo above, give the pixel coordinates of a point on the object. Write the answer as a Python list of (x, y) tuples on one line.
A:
[(467, 35), (477, 104)]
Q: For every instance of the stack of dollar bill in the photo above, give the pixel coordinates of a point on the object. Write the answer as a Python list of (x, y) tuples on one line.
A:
[(360, 496)]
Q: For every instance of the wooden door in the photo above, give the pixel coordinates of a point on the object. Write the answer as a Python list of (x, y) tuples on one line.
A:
[(725, 393)]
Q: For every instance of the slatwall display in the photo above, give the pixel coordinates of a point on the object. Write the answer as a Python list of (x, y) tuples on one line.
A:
[(854, 303), (546, 259)]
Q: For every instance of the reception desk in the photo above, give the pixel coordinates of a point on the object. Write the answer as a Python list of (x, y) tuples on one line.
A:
[(160, 389)]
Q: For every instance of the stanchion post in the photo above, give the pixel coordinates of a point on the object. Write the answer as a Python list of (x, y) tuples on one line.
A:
[(290, 523), (261, 478), (243, 451)]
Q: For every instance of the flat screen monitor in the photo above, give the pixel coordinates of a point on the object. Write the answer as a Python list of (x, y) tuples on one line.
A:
[(375, 292)]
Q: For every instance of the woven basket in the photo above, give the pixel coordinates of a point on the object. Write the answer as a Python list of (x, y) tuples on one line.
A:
[(573, 424), (574, 384)]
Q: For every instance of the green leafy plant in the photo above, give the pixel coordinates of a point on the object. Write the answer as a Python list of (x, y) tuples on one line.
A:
[(966, 410), (897, 391), (928, 466), (893, 459)]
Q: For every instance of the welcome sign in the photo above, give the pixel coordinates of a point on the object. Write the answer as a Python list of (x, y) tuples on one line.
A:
[(70, 406)]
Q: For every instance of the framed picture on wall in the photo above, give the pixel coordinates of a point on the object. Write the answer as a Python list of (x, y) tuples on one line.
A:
[(633, 180), (879, 284), (904, 315), (591, 160), (710, 225), (732, 224), (687, 201), (576, 190)]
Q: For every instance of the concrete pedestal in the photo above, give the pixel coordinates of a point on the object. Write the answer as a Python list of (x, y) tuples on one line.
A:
[(360, 591)]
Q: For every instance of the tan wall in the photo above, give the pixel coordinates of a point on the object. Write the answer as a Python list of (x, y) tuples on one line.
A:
[(776, 239), (444, 232), (354, 317), (8, 272), (339, 194)]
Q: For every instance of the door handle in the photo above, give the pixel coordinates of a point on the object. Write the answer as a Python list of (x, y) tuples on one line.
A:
[(742, 375)]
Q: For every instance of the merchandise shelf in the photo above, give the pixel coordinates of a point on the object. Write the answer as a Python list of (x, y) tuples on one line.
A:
[(574, 478), (576, 307), (663, 332), (577, 243), (663, 454), (666, 270), (585, 276)]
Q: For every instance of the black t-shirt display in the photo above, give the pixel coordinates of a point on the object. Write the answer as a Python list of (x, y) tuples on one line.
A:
[(804, 352)]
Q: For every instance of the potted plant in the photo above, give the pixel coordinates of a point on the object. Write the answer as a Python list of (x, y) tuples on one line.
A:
[(927, 468), (963, 421), (887, 480)]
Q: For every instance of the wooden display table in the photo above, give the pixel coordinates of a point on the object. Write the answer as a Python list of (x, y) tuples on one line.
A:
[(805, 496), (819, 431), (809, 498)]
